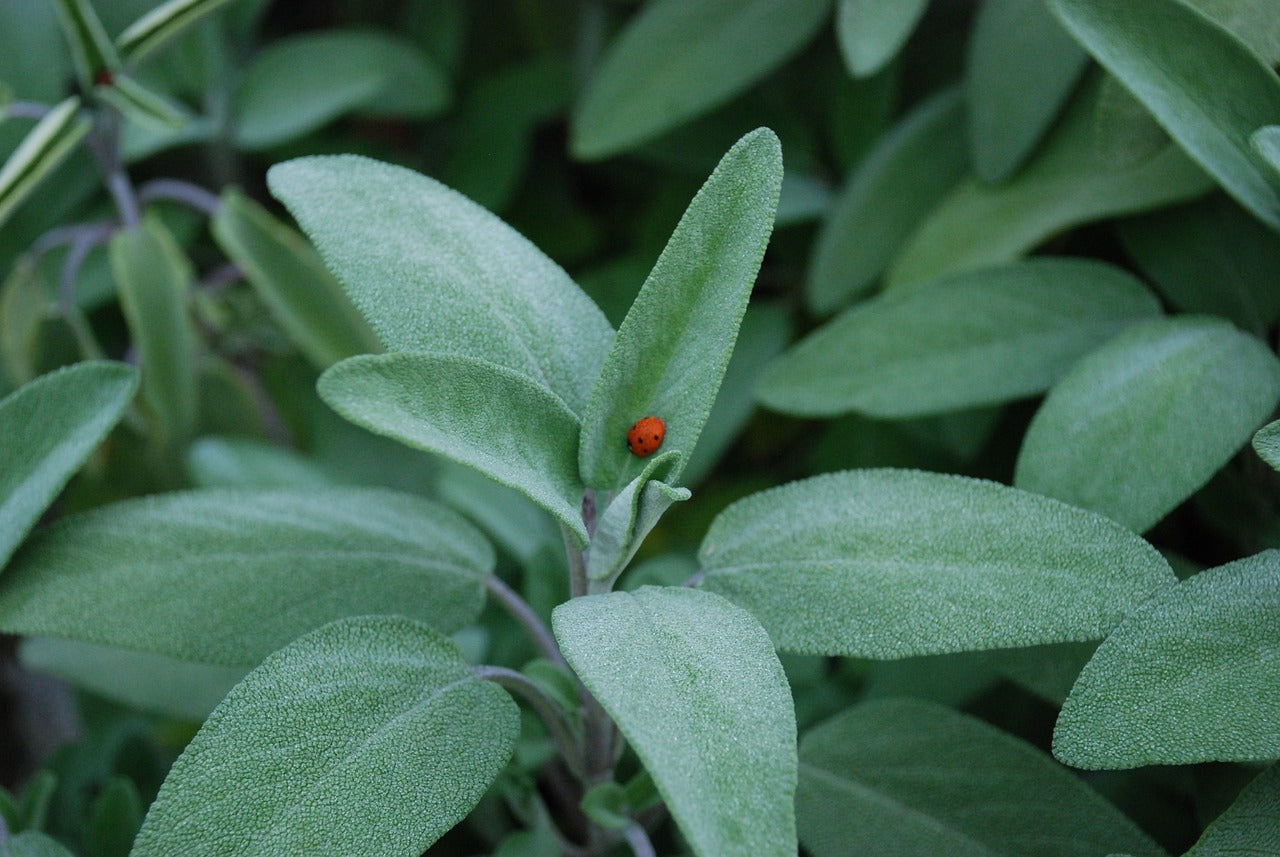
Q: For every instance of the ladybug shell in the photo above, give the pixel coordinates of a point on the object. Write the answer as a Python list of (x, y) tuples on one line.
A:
[(644, 438)]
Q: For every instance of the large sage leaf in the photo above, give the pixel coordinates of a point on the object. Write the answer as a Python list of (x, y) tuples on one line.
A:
[(1248, 825), (871, 32), (679, 58), (902, 778), (895, 563), (50, 426), (432, 271), (1202, 84), (962, 341), (694, 684), (674, 345), (369, 737), (477, 413), (1141, 424), (1192, 676), (228, 576)]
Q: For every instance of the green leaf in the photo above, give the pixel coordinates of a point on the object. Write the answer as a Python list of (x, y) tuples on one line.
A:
[(895, 563), (1141, 424), (1266, 442), (693, 683), (913, 778), (432, 271), (368, 737), (153, 280), (1192, 676), (1179, 63), (141, 104), (871, 32), (629, 517), (961, 341), (674, 345), (288, 275), (226, 577), (1248, 825), (93, 53), (241, 462), (1266, 142), (677, 59), (303, 82), (1019, 69), (162, 25), (46, 146), (114, 818), (33, 844), (1067, 183), (50, 426), (485, 416), (904, 175)]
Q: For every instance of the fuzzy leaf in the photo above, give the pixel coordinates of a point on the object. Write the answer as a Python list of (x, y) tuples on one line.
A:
[(226, 577), (678, 59), (476, 413), (871, 32), (674, 345), (45, 146), (1202, 84), (1192, 676), (1248, 826), (895, 563), (963, 341), (369, 737), (50, 426), (694, 684), (629, 517), (906, 778), (432, 271), (1266, 442), (1141, 424)]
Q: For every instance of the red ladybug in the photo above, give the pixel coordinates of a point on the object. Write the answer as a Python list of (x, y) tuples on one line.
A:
[(644, 438)]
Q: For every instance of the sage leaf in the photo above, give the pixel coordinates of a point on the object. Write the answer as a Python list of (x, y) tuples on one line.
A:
[(628, 518), (961, 341), (44, 147), (91, 50), (432, 271), (871, 33), (1177, 61), (485, 416), (1266, 442), (1141, 424), (1191, 676), (1266, 142), (1020, 67), (911, 778), (694, 684), (1248, 825), (301, 294), (141, 104), (226, 577), (673, 347), (50, 426), (678, 59), (31, 843), (161, 25), (241, 462), (369, 737), (896, 563), (907, 172)]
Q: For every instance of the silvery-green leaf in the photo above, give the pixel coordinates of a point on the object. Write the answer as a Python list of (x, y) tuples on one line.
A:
[(1266, 442), (629, 517), (871, 32), (241, 462), (1248, 826)]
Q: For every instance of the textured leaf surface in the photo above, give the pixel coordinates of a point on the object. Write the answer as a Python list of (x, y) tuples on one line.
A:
[(910, 168), (629, 517), (1266, 442), (288, 275), (50, 426), (1142, 423), (369, 737), (674, 345), (1192, 676), (1202, 84), (432, 271), (872, 32), (902, 778), (895, 563), (476, 413), (1248, 826), (963, 341), (228, 576), (1019, 69), (678, 59), (695, 686)]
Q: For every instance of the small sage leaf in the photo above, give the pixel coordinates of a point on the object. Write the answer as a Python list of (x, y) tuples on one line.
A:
[(141, 104), (44, 147), (915, 779), (674, 345), (1248, 826), (228, 576), (871, 32), (1192, 676), (1266, 442), (480, 414), (93, 53), (694, 684), (1141, 424), (896, 563), (161, 25), (369, 737), (629, 517), (241, 462), (50, 426), (31, 843)]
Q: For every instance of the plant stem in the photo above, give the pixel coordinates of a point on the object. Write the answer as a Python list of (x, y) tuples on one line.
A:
[(523, 613), (187, 193), (83, 242), (25, 110), (552, 715), (577, 567), (639, 841), (104, 145)]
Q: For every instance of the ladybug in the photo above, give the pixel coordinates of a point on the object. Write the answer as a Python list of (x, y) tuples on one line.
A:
[(644, 438)]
